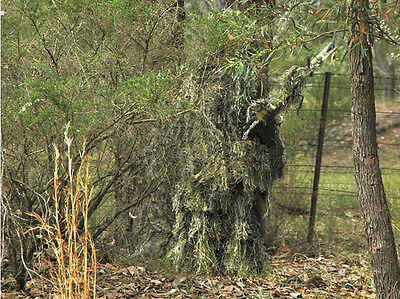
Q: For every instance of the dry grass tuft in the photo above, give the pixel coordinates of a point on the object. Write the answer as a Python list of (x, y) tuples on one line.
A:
[(73, 248)]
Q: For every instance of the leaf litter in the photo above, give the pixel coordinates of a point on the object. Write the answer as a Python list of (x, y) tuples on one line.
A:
[(289, 275)]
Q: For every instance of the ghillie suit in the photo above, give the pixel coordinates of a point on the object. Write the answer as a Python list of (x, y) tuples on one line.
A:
[(231, 153), (221, 198), (219, 162)]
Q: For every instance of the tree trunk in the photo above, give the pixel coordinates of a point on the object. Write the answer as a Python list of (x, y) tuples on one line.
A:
[(371, 194)]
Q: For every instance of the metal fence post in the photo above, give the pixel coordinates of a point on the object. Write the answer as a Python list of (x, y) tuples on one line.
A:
[(318, 161)]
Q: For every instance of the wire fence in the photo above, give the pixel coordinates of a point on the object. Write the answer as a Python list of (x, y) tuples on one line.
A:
[(336, 156)]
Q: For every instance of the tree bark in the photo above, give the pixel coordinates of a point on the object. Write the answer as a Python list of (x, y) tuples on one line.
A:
[(371, 194)]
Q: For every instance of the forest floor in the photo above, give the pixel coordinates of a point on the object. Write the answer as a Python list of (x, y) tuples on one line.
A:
[(290, 274)]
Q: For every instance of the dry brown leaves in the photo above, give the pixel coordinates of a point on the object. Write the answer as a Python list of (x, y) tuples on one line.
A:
[(291, 275)]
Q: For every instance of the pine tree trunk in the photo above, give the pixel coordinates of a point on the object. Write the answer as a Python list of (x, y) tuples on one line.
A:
[(371, 194)]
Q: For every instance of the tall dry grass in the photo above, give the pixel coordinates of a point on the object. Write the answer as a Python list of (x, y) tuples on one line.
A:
[(75, 273)]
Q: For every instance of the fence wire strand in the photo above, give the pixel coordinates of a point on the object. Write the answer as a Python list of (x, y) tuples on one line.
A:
[(305, 188)]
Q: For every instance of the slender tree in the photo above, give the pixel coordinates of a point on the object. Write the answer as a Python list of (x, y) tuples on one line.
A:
[(371, 194)]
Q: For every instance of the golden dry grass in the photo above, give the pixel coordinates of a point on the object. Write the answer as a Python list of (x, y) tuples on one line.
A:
[(75, 273)]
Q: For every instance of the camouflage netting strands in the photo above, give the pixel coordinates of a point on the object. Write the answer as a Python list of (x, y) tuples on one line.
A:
[(221, 197), (262, 112)]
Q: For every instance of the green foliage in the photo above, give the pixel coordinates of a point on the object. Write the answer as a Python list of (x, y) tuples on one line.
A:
[(235, 43), (108, 68)]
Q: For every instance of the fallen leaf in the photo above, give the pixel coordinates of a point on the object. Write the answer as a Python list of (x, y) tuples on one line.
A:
[(156, 282)]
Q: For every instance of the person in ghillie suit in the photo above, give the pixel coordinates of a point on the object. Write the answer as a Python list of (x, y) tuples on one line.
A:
[(221, 160), (233, 154)]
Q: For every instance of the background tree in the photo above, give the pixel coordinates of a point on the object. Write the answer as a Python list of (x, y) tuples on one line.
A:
[(371, 194)]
